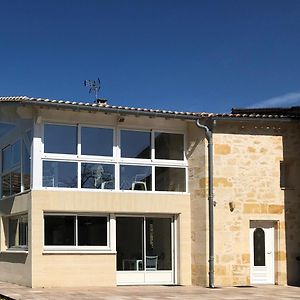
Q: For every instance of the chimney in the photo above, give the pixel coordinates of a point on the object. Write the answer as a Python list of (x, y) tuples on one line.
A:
[(101, 101)]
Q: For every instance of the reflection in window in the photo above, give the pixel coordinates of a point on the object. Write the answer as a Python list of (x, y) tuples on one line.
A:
[(59, 230), (158, 244), (135, 144), (59, 174), (69, 230), (96, 141), (18, 231), (135, 178), (169, 146), (26, 166), (15, 181), (259, 247), (92, 231), (170, 179), (60, 139), (6, 191), (97, 176), (6, 158), (16, 153)]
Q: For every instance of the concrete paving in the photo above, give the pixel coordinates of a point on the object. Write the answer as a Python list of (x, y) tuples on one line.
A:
[(150, 292)]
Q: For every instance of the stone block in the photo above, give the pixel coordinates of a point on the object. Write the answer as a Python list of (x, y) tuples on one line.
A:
[(222, 149), (275, 209)]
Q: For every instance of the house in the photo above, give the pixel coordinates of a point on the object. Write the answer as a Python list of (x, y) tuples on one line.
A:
[(99, 195)]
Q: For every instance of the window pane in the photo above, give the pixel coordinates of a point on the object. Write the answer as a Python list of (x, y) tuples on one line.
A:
[(6, 158), (59, 174), (135, 144), (96, 141), (92, 231), (16, 153), (6, 185), (60, 139), (16, 181), (23, 231), (97, 176), (59, 230), (13, 228), (169, 146), (158, 244), (259, 247), (26, 167), (170, 179), (135, 178)]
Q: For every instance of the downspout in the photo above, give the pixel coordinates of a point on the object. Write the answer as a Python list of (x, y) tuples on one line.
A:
[(208, 135)]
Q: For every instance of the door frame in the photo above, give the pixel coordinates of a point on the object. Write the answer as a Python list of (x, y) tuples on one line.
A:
[(269, 227), (174, 246)]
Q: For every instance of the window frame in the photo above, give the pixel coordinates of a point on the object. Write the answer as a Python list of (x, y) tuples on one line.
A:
[(17, 247), (116, 159), (76, 247)]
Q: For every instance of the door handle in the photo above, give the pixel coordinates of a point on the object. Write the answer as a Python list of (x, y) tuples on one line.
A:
[(269, 252)]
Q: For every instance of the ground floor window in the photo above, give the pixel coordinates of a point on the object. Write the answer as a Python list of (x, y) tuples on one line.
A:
[(76, 231), (18, 231)]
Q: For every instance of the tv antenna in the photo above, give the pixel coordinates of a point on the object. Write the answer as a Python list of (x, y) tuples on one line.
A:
[(94, 86)]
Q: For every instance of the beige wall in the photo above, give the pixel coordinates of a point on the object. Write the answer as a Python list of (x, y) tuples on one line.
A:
[(14, 267), (99, 269)]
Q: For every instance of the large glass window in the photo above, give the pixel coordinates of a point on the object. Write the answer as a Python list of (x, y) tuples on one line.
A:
[(96, 141), (18, 231), (60, 139), (135, 178), (59, 174), (169, 146), (26, 166), (6, 158), (170, 179), (97, 176), (135, 144), (67, 230)]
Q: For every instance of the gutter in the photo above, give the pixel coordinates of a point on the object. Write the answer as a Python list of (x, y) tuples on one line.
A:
[(209, 137)]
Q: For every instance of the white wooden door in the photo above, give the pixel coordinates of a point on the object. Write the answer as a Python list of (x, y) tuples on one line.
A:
[(262, 252)]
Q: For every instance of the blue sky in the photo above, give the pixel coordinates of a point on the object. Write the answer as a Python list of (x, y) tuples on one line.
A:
[(190, 55)]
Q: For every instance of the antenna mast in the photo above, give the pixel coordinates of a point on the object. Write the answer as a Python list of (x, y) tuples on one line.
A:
[(94, 86)]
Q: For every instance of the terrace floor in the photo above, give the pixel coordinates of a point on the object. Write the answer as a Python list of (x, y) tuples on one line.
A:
[(150, 292)]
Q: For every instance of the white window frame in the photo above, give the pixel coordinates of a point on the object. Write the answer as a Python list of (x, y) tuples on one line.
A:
[(116, 159), (108, 247)]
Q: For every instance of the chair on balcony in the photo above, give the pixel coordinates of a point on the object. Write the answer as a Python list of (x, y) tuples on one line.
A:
[(151, 263), (139, 182)]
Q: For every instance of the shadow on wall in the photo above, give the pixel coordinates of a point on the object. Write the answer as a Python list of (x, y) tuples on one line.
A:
[(15, 258), (290, 174)]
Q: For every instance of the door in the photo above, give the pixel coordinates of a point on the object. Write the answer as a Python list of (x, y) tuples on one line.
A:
[(145, 252), (262, 252)]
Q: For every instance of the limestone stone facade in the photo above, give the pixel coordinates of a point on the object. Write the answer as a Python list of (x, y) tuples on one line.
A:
[(247, 176)]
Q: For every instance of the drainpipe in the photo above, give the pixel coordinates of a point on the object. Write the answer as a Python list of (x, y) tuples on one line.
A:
[(208, 135)]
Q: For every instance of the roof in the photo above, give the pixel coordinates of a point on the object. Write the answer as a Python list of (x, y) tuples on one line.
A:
[(293, 111), (104, 107)]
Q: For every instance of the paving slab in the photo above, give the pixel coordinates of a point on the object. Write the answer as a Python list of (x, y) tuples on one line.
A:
[(150, 292)]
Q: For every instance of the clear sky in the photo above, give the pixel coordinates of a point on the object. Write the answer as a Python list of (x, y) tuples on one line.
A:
[(187, 55)]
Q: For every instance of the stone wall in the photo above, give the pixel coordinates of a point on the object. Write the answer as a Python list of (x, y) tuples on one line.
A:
[(247, 158)]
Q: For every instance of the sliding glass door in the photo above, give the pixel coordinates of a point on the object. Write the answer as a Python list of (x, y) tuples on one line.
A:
[(145, 250)]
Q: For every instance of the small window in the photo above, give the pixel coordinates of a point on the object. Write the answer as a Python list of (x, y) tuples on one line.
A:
[(18, 231), (59, 174), (75, 231), (135, 144), (98, 176), (169, 146), (59, 230), (135, 178), (96, 141), (259, 247), (60, 139), (170, 179)]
